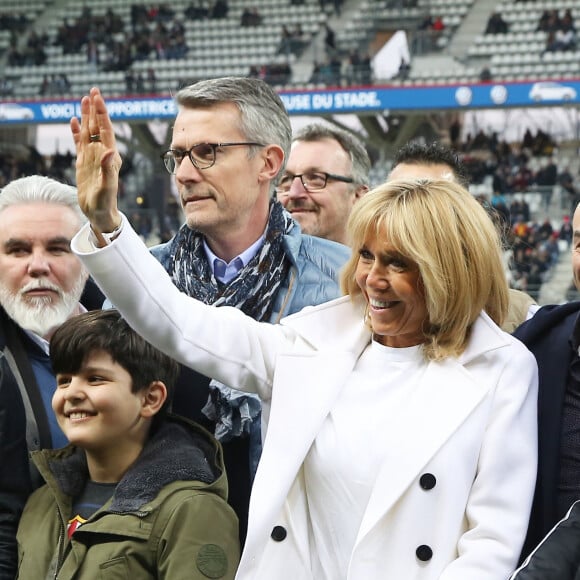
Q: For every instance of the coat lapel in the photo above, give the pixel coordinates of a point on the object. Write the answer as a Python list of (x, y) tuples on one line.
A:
[(296, 415), (446, 397), (307, 383)]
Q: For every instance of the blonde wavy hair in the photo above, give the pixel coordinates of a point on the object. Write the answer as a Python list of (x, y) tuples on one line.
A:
[(442, 228)]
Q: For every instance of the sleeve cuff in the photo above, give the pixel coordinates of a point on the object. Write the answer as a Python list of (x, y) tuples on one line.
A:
[(98, 239)]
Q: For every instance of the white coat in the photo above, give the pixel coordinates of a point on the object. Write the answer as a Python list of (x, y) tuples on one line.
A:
[(453, 500)]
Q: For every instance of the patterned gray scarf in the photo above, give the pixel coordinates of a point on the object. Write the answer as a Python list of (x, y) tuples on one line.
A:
[(253, 291), (254, 288)]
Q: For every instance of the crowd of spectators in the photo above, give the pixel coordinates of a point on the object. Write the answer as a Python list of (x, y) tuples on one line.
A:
[(292, 40), (561, 30), (157, 31), (26, 160), (14, 22), (533, 242), (333, 68), (54, 84), (354, 69), (32, 53), (535, 250), (426, 37), (73, 35), (532, 247), (486, 154)]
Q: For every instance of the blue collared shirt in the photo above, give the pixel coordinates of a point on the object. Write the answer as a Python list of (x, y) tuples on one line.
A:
[(226, 272)]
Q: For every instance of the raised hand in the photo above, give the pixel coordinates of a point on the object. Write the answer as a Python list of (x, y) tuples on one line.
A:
[(98, 163)]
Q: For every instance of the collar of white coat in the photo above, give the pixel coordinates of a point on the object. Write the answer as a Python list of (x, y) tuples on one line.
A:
[(339, 325)]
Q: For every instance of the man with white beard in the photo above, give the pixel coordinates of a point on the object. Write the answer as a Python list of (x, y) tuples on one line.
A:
[(41, 282)]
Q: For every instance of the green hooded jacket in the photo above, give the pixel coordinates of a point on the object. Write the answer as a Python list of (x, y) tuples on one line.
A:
[(168, 517)]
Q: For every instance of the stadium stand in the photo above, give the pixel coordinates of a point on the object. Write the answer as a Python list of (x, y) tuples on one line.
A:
[(212, 46), (374, 14), (222, 46), (521, 52)]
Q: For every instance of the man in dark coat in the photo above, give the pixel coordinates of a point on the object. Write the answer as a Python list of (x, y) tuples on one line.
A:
[(553, 336), (41, 283)]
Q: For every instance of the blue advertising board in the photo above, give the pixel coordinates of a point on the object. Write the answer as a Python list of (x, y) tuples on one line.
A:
[(325, 102), (428, 98)]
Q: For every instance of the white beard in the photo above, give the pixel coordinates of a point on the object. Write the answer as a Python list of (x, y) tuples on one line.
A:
[(41, 315)]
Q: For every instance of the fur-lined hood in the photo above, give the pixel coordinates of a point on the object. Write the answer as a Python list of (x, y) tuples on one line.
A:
[(180, 450)]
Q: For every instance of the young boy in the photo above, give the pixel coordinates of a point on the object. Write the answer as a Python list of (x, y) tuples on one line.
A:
[(137, 494)]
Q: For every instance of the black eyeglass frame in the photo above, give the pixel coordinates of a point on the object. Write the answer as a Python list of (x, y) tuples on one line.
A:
[(327, 176), (170, 154)]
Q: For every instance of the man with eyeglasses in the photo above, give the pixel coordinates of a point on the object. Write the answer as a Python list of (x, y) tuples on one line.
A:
[(326, 174), (238, 247)]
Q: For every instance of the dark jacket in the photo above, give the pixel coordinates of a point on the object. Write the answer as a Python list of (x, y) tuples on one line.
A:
[(558, 555), (24, 427), (22, 416), (168, 517), (547, 335), (15, 482)]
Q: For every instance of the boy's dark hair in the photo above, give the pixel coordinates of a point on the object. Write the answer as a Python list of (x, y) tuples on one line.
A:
[(107, 331), (433, 154)]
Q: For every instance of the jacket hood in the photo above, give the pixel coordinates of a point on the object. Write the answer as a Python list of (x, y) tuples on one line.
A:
[(179, 450)]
